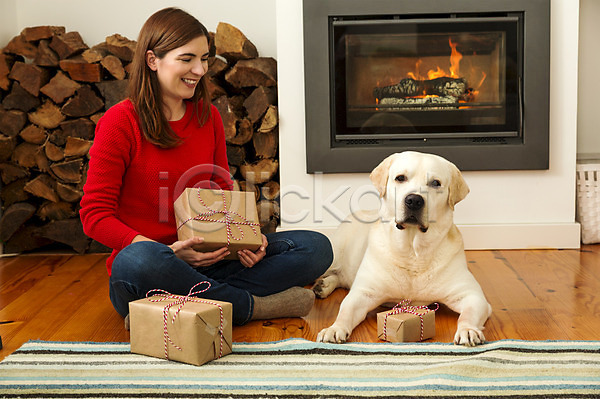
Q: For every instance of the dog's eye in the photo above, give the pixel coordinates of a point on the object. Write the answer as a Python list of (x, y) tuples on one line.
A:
[(401, 178), (436, 183)]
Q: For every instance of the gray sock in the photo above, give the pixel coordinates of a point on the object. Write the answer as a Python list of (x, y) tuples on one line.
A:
[(293, 302)]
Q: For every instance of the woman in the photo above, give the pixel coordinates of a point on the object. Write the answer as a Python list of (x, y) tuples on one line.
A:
[(165, 137)]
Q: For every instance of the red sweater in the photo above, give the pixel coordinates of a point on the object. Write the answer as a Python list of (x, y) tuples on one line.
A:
[(131, 184)]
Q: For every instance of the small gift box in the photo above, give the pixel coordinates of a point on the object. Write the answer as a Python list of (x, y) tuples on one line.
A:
[(222, 218), (405, 323), (182, 328)]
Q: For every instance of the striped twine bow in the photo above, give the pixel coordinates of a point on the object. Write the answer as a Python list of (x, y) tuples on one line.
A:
[(180, 301), (404, 306), (228, 220)]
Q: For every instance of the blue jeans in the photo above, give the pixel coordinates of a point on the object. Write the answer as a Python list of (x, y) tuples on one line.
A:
[(293, 258)]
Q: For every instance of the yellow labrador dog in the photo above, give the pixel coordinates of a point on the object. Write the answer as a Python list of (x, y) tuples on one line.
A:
[(410, 249)]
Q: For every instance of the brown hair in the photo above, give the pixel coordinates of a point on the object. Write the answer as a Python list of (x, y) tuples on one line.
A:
[(165, 30)]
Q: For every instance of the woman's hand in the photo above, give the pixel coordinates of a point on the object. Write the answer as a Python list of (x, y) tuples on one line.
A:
[(184, 251), (249, 258)]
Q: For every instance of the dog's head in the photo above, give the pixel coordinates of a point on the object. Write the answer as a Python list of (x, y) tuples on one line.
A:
[(418, 189)]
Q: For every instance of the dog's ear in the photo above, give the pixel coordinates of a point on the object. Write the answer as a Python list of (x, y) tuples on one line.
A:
[(379, 175), (458, 189)]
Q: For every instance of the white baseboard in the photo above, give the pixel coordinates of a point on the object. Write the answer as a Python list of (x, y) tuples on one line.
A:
[(505, 236)]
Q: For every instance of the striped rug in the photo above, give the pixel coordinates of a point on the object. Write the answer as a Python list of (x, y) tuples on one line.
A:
[(296, 368)]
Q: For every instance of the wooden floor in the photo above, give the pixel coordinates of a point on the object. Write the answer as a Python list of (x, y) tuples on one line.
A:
[(535, 294)]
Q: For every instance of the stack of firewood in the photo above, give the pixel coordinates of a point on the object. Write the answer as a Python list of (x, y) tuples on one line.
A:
[(53, 90)]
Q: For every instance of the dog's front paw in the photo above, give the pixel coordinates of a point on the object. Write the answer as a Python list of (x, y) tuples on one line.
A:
[(325, 286), (469, 336), (334, 335)]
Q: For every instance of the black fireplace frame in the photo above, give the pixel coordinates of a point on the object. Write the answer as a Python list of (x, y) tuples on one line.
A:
[(530, 151)]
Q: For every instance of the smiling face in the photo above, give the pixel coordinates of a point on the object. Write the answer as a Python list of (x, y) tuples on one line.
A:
[(179, 72)]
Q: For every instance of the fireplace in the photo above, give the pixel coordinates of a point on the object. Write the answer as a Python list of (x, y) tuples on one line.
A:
[(465, 79)]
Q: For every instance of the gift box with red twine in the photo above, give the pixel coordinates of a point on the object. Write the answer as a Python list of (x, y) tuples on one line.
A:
[(223, 218), (186, 328), (406, 323)]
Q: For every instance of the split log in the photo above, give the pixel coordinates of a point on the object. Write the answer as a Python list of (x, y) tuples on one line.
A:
[(7, 146), (214, 88), (6, 63), (41, 160), (243, 133), (68, 171), (26, 239), (13, 218), (266, 144), (232, 44), (45, 55), (55, 211), (268, 215), (68, 44), (85, 103), (20, 99), (81, 71), (35, 33), (254, 72), (408, 87), (69, 232), (34, 135), (31, 77), (229, 115), (14, 192), (250, 188), (24, 155), (95, 54), (121, 47), (260, 172), (113, 91), (10, 173), (217, 66), (96, 117), (114, 66), (43, 187), (12, 121), (60, 87), (19, 46), (47, 115), (257, 103), (77, 147), (270, 190), (68, 193), (54, 152), (236, 155), (81, 128), (269, 120)]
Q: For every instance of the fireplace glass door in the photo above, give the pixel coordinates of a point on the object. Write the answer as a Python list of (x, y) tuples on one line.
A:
[(426, 78)]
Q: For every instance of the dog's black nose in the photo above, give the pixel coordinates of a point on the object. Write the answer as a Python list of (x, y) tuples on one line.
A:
[(414, 202)]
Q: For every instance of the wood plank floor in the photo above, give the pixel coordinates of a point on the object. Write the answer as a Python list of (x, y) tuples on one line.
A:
[(535, 294)]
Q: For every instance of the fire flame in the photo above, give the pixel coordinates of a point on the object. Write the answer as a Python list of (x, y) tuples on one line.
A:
[(455, 58)]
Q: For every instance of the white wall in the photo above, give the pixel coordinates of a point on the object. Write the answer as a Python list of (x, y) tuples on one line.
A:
[(8, 9), (95, 20), (588, 116), (514, 209)]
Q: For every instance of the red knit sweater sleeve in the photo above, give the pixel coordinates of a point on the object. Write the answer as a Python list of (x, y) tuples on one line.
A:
[(109, 157)]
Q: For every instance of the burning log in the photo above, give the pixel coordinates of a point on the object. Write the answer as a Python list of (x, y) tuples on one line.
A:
[(408, 87)]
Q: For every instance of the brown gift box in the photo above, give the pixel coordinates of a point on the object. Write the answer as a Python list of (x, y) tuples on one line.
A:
[(208, 205), (406, 327), (195, 330)]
